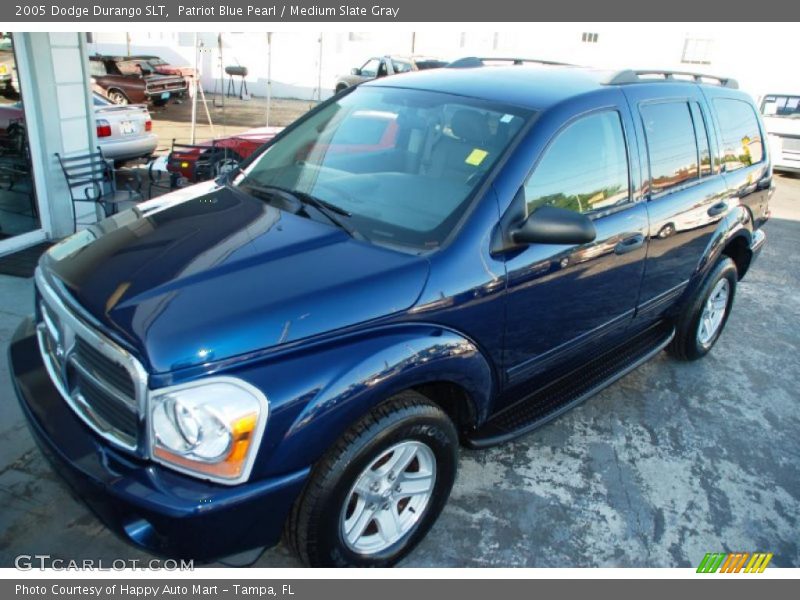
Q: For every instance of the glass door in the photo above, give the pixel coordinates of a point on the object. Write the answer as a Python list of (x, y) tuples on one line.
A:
[(18, 207)]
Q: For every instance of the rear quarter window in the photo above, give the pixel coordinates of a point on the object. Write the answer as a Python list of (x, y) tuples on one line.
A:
[(740, 136)]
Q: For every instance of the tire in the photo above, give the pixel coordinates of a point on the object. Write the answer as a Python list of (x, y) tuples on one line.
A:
[(666, 231), (696, 331), (406, 423), (117, 97), (223, 163)]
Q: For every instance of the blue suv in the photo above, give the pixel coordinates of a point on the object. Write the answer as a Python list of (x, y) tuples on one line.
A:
[(449, 257)]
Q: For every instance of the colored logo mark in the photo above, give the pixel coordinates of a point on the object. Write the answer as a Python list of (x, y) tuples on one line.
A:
[(734, 562)]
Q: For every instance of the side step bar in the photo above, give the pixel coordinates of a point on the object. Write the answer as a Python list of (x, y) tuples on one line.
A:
[(571, 388)]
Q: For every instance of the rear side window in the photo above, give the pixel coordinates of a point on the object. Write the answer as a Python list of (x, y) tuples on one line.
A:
[(739, 132), (671, 144), (584, 169)]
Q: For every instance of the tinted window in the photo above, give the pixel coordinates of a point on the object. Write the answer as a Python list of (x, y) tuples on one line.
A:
[(702, 139), (741, 136), (671, 145), (584, 169)]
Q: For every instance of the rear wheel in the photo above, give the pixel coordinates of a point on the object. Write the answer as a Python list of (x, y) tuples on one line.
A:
[(378, 491), (705, 314), (118, 97)]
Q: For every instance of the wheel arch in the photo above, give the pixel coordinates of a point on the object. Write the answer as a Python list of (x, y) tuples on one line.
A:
[(354, 378), (732, 238)]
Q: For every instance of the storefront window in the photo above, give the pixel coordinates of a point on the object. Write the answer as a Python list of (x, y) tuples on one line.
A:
[(18, 208)]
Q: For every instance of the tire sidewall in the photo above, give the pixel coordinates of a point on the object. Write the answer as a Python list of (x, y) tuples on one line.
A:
[(725, 269), (429, 430)]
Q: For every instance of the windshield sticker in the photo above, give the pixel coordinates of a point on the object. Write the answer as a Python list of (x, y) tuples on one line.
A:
[(506, 118), (476, 157)]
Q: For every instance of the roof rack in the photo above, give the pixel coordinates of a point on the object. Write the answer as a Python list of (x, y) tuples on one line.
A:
[(651, 75), (470, 62)]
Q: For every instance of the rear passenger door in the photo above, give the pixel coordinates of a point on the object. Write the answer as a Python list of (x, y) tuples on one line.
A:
[(742, 154), (685, 192)]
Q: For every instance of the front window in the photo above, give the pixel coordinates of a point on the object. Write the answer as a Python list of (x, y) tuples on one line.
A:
[(584, 169), (399, 166)]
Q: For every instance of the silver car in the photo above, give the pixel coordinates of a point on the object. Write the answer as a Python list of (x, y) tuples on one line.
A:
[(123, 132)]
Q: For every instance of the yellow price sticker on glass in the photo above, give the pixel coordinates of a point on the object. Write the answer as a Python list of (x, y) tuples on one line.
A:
[(476, 157)]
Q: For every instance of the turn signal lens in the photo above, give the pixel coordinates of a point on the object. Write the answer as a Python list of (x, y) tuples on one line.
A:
[(210, 428)]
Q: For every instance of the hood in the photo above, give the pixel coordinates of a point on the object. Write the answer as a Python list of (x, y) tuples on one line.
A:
[(207, 273)]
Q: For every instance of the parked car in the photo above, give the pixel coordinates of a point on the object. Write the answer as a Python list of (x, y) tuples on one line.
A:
[(123, 132), (301, 345), (162, 67), (191, 163), (382, 66), (781, 114), (126, 80)]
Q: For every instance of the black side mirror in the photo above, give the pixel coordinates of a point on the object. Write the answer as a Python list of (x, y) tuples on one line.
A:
[(355, 71), (551, 225)]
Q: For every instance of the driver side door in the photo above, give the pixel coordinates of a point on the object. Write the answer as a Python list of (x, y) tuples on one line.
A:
[(563, 300)]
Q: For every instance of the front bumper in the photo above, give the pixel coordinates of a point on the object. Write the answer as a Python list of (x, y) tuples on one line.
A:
[(153, 507)]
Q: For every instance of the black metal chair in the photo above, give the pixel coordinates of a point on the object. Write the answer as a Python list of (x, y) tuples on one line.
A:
[(92, 178)]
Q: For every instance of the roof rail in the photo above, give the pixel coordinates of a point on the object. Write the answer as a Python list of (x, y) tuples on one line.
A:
[(469, 62), (641, 76)]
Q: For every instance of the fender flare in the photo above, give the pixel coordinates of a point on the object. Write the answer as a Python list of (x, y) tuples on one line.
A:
[(738, 223), (357, 375)]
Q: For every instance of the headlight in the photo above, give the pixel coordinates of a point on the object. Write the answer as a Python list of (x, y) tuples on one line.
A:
[(209, 428)]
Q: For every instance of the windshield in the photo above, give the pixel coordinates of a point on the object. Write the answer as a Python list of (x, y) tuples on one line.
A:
[(399, 164), (781, 106), (98, 100)]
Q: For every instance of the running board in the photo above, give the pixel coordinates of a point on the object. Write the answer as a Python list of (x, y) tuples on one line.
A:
[(571, 388)]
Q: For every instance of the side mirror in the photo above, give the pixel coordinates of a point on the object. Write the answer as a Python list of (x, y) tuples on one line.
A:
[(355, 71), (551, 225)]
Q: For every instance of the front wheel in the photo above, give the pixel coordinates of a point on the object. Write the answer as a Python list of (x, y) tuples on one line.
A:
[(378, 491), (706, 312)]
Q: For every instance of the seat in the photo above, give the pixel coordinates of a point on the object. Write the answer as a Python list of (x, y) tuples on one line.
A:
[(466, 152), (92, 178)]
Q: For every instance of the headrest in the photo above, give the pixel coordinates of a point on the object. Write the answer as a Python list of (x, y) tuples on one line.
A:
[(470, 126)]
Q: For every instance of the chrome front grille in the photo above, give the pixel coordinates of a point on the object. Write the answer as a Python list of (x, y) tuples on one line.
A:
[(101, 382)]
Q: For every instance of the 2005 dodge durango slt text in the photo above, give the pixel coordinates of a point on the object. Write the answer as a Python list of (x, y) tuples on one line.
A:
[(299, 347)]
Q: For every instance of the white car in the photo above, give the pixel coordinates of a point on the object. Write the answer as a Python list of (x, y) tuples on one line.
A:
[(781, 114), (123, 132)]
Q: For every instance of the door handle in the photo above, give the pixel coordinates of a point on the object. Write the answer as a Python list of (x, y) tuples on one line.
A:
[(717, 209), (629, 244)]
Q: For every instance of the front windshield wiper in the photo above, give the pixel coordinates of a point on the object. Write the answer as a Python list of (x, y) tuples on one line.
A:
[(329, 210)]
